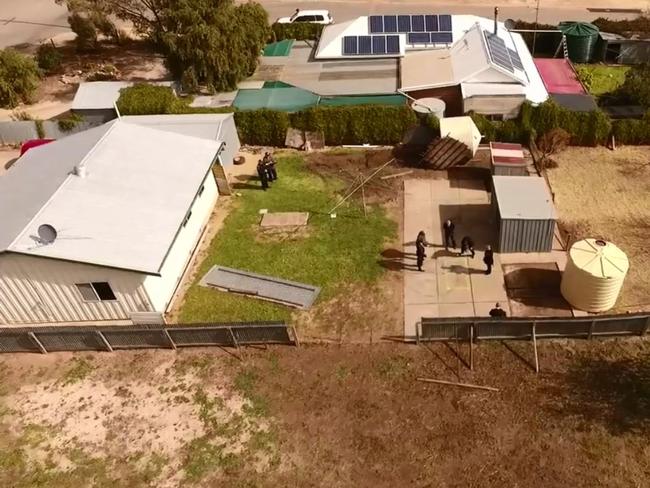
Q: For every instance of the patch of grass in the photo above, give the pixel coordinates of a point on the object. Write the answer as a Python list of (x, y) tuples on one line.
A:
[(393, 367), (600, 79), (80, 370), (333, 252), (201, 365), (204, 457), (245, 383)]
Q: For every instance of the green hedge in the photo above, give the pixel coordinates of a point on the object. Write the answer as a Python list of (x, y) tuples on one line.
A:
[(144, 99), (631, 131), (357, 124), (262, 127), (300, 31)]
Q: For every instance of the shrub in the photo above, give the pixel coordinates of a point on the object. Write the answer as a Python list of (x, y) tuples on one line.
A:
[(145, 99), (19, 78), (631, 131), (638, 25), (636, 86), (48, 57), (262, 127), (85, 30), (586, 77), (553, 142), (40, 130), (299, 31), (69, 123)]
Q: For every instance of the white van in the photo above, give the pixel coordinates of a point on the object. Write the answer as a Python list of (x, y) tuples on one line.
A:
[(311, 16)]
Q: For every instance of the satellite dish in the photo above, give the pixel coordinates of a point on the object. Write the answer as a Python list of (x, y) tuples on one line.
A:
[(510, 24), (47, 234)]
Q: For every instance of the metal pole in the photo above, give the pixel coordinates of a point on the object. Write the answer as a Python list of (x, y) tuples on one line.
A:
[(535, 349), (536, 23), (169, 338), (38, 343), (103, 340)]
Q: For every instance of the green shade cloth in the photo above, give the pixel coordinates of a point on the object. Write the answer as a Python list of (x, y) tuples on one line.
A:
[(364, 100), (280, 48), (286, 99)]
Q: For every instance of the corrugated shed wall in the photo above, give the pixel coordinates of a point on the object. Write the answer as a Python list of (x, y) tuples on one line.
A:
[(40, 290), (525, 235)]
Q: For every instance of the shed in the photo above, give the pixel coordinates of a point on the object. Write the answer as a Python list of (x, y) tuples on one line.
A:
[(525, 214), (508, 159), (462, 129)]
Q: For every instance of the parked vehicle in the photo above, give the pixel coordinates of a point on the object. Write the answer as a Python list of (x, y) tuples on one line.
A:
[(27, 145), (311, 16)]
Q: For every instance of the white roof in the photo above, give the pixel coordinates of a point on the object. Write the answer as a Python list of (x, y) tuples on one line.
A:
[(330, 44), (126, 211), (462, 129), (470, 90), (96, 95), (523, 198), (203, 126)]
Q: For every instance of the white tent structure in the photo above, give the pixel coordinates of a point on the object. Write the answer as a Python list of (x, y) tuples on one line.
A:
[(462, 129)]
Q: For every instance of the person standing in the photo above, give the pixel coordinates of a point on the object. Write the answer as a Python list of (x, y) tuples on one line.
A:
[(261, 173), (488, 259), (466, 244), (448, 229), (497, 311), (420, 245), (270, 166)]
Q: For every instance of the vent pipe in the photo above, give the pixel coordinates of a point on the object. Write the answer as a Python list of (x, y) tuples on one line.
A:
[(496, 16), (80, 170)]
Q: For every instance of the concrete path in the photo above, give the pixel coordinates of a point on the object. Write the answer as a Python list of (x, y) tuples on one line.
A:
[(452, 285)]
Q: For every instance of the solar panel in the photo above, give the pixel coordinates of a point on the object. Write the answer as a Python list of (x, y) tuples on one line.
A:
[(350, 45), (516, 60), (392, 44), (418, 38), (376, 24), (431, 22), (417, 23), (444, 22), (404, 23), (441, 37), (378, 44), (365, 45), (390, 23), (498, 52)]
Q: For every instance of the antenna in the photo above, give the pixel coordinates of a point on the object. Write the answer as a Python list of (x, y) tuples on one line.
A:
[(46, 234)]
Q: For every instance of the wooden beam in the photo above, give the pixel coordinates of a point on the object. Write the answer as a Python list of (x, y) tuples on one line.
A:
[(535, 349), (169, 338), (452, 383), (295, 336), (103, 340), (38, 343)]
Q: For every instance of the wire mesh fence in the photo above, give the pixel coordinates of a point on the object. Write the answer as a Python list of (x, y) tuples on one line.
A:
[(109, 338)]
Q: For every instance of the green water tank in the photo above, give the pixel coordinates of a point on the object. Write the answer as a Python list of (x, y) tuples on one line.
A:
[(581, 38)]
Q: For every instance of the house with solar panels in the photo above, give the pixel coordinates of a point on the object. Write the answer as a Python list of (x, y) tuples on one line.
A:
[(471, 63)]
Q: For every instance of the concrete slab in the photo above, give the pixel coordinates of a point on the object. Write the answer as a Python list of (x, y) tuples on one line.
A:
[(421, 288), (489, 288), (454, 285), (456, 309), (482, 309), (414, 313), (471, 191), (284, 219), (539, 276), (540, 307)]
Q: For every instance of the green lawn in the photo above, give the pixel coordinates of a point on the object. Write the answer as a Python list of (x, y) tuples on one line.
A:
[(331, 252), (600, 79)]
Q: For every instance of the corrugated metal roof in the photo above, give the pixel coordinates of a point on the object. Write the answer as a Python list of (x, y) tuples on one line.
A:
[(126, 212), (523, 198), (576, 102), (203, 126), (96, 95)]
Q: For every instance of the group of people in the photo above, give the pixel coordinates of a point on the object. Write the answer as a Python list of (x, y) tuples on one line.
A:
[(466, 245), (266, 170)]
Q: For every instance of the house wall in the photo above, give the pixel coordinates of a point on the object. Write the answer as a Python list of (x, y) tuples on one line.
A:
[(161, 288), (42, 290), (505, 105)]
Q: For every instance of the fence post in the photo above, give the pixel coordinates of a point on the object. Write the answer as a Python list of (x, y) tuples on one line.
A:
[(38, 343), (103, 340), (535, 348), (471, 346), (232, 336), (591, 329), (295, 335), (417, 332), (645, 328), (169, 338)]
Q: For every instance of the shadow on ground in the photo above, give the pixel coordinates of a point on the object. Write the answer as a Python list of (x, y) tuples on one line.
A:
[(396, 260), (612, 392)]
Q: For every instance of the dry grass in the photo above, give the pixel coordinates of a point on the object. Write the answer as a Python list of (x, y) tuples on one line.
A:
[(606, 194)]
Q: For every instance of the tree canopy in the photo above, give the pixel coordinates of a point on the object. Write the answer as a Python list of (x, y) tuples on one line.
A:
[(19, 78), (636, 86), (206, 42)]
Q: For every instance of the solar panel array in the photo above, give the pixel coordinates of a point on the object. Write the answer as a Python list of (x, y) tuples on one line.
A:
[(501, 55), (388, 24), (375, 45), (429, 37)]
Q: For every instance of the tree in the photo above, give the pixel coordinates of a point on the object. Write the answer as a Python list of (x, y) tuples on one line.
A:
[(636, 86), (552, 142), (19, 78), (208, 42)]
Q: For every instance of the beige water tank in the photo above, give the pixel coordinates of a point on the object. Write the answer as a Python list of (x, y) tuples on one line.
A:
[(594, 275)]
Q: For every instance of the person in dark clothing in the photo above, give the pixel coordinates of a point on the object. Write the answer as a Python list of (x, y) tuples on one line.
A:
[(488, 259), (448, 229), (466, 244), (269, 166), (497, 311), (261, 172), (420, 245)]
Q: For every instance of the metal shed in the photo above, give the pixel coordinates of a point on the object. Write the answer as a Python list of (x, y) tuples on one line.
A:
[(508, 159), (525, 214)]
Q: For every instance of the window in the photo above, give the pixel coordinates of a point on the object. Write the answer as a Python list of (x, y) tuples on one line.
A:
[(187, 219), (318, 18), (96, 291), (305, 18)]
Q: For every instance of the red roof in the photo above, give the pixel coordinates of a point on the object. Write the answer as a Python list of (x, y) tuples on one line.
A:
[(504, 153), (559, 76), (27, 145)]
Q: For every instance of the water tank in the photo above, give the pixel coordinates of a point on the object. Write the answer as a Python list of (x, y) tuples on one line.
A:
[(581, 38), (430, 105), (594, 275)]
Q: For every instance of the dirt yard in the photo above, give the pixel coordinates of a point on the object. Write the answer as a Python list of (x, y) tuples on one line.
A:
[(606, 194), (331, 416)]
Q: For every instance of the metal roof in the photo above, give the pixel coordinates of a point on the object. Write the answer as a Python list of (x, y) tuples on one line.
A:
[(124, 213), (97, 95), (523, 198), (203, 126), (576, 102)]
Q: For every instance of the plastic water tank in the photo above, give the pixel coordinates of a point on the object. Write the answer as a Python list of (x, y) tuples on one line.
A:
[(594, 275), (430, 105), (581, 38)]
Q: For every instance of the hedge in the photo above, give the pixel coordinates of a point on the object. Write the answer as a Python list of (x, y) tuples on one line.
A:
[(144, 99), (357, 124), (631, 131), (300, 31), (262, 127)]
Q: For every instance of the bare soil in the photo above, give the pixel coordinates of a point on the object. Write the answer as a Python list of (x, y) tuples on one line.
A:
[(605, 194)]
